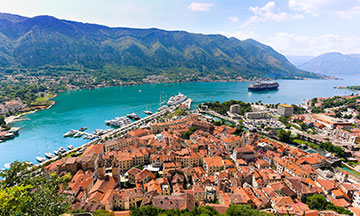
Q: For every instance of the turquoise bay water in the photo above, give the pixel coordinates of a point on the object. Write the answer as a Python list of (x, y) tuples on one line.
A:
[(44, 131)]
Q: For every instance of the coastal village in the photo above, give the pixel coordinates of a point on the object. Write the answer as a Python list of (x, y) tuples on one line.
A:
[(190, 160)]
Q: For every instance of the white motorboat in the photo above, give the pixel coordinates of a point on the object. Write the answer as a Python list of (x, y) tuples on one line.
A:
[(78, 135), (49, 155), (62, 150), (40, 159), (70, 133), (83, 129)]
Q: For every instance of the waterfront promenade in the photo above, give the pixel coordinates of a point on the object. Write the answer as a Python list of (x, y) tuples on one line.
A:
[(124, 129)]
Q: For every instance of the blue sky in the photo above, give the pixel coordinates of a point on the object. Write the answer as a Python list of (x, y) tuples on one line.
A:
[(292, 27)]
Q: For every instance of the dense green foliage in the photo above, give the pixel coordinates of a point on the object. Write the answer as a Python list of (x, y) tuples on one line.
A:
[(243, 210), (284, 136), (24, 193), (319, 202), (222, 108), (298, 109), (356, 88), (188, 133), (233, 210), (338, 101), (131, 54), (2, 121), (27, 93), (102, 212), (337, 150), (153, 211)]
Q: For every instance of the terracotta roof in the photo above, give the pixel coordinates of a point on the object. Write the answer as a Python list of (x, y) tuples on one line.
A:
[(213, 161), (93, 149), (328, 185)]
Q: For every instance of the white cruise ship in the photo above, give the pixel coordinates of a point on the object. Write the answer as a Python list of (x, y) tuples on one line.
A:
[(177, 99)]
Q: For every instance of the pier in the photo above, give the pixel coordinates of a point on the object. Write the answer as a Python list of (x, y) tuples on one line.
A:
[(124, 129)]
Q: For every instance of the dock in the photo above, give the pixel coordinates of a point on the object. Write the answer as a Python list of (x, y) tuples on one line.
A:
[(188, 103), (124, 129)]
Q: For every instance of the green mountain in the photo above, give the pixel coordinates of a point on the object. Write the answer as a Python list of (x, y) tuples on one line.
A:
[(45, 41)]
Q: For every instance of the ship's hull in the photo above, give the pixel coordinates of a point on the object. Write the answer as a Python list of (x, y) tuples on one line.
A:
[(176, 102), (263, 88)]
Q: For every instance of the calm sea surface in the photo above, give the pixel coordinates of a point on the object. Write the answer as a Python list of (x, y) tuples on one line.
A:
[(75, 109)]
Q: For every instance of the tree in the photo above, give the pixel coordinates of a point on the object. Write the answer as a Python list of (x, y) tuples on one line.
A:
[(32, 194), (102, 212), (317, 202), (320, 203), (239, 130), (242, 210), (142, 211), (284, 136), (303, 126), (2, 121), (205, 211)]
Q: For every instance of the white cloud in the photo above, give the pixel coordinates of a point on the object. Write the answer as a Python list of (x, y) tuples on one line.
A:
[(349, 14), (270, 13), (234, 19), (241, 35), (293, 44), (317, 7), (196, 6)]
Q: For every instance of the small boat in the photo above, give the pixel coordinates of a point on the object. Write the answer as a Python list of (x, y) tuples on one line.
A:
[(78, 135), (133, 116), (70, 147), (165, 107), (40, 159), (29, 163), (90, 137), (56, 152), (148, 112), (70, 133), (7, 165), (139, 90), (83, 129), (49, 155), (62, 150)]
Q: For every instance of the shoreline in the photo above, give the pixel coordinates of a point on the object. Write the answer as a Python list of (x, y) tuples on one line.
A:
[(16, 118), (13, 119)]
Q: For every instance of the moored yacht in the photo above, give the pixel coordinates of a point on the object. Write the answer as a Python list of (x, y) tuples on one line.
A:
[(83, 129), (40, 159), (148, 112), (177, 99), (62, 150), (70, 133), (163, 108), (133, 116), (70, 147), (49, 155), (78, 135)]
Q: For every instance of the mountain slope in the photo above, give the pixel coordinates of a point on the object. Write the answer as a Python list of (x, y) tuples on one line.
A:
[(126, 52), (299, 60), (334, 64)]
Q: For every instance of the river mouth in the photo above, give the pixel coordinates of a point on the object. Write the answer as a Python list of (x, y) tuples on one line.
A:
[(44, 130)]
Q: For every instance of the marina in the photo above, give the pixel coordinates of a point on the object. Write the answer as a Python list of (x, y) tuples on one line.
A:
[(76, 109), (118, 121)]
